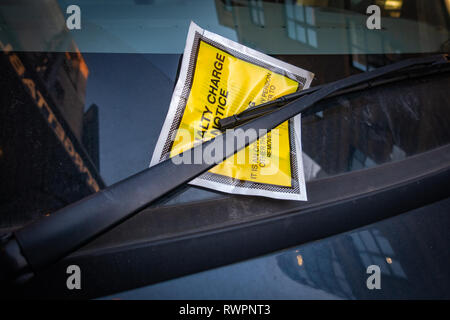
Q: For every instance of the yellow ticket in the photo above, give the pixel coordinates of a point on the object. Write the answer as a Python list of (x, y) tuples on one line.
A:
[(219, 78)]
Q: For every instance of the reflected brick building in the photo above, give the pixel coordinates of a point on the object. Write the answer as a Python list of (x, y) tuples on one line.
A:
[(43, 162)]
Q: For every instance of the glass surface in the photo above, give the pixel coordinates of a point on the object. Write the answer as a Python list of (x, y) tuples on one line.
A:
[(410, 249), (107, 87), (293, 27)]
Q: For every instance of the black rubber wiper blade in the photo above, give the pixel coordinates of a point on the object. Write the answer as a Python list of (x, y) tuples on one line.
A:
[(50, 238), (413, 71), (261, 109)]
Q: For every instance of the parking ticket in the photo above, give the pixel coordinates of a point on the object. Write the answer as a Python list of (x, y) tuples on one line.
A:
[(219, 78)]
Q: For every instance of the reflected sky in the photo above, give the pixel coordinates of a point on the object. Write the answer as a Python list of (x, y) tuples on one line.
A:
[(293, 27), (157, 26)]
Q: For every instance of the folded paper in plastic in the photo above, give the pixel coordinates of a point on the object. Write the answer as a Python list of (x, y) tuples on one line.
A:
[(219, 78)]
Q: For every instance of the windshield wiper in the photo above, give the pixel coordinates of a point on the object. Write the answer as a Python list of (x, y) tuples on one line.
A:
[(412, 72), (49, 239)]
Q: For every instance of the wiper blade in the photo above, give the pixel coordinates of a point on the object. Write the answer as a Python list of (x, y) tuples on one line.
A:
[(43, 242), (411, 72)]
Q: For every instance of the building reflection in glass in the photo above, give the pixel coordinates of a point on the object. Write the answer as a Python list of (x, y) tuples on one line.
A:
[(50, 145), (301, 22), (257, 12), (316, 266), (375, 249), (335, 27), (338, 266), (368, 128)]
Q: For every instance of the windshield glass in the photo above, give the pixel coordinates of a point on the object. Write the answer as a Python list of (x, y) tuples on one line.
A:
[(94, 98), (274, 27)]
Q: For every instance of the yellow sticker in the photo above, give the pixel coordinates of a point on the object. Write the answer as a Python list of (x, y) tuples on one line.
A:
[(224, 85), (219, 78)]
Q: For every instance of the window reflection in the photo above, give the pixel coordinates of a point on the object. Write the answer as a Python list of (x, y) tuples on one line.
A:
[(373, 127), (323, 26), (375, 249), (257, 12), (301, 21), (359, 160), (317, 266), (338, 265), (393, 7)]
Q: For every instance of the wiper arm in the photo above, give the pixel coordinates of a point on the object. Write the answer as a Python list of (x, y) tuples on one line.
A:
[(411, 72), (43, 242)]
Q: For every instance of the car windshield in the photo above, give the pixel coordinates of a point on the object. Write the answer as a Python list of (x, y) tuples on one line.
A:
[(95, 97)]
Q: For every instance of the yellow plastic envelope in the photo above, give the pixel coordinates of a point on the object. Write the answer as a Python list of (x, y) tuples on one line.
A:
[(219, 78)]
